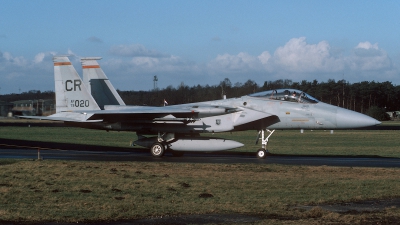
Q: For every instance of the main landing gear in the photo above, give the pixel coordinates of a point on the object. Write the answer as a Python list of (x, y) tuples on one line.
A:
[(157, 149), (262, 152)]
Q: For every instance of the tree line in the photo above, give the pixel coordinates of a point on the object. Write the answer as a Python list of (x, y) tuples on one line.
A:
[(359, 96), (355, 96), (29, 95)]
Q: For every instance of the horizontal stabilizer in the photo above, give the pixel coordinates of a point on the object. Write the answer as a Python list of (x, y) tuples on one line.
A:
[(67, 117)]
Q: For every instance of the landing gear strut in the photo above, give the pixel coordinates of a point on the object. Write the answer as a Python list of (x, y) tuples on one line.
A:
[(262, 152)]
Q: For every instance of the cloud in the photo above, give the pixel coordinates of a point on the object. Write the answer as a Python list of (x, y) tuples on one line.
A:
[(133, 73), (298, 56), (134, 62), (12, 63), (138, 60), (39, 57), (299, 60), (134, 50), (264, 57), (43, 56), (95, 39), (241, 62), (27, 74), (131, 65), (367, 45), (369, 57), (8, 59), (140, 65)]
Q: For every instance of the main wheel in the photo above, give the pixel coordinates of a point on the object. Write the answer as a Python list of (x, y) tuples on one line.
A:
[(157, 149), (261, 154)]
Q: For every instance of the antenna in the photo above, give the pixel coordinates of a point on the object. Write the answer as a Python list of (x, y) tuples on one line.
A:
[(343, 91), (155, 82)]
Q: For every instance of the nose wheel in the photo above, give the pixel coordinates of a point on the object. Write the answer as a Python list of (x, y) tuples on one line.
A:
[(262, 152)]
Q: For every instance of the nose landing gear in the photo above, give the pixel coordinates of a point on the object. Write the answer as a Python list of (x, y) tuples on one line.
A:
[(262, 152)]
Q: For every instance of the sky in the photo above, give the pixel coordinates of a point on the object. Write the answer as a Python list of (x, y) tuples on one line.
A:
[(200, 42)]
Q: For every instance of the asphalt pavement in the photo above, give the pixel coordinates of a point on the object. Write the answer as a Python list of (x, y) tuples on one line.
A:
[(223, 157)]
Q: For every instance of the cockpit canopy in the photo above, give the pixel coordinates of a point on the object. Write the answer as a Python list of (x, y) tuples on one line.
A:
[(291, 95)]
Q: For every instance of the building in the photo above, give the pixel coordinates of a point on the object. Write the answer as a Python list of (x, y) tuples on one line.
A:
[(394, 115), (41, 107), (5, 108)]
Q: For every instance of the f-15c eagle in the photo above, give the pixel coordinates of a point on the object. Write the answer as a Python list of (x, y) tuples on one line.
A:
[(94, 103)]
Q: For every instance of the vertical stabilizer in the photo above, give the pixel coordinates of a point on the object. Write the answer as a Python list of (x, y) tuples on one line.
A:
[(98, 84), (71, 93)]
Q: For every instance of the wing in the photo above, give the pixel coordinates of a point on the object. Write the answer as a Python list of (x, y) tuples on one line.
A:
[(179, 118), (182, 113)]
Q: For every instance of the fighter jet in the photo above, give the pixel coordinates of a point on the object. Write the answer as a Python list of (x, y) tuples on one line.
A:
[(177, 128)]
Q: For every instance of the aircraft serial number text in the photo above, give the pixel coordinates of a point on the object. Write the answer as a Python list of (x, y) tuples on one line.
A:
[(79, 103)]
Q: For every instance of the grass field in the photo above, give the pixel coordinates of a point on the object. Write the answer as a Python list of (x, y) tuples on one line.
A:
[(69, 191)]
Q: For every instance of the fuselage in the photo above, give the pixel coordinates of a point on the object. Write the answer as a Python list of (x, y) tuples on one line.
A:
[(276, 109)]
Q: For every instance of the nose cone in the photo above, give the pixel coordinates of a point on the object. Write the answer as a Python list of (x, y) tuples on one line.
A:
[(347, 119)]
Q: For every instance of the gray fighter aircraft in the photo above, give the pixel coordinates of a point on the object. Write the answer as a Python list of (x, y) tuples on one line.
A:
[(177, 128)]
